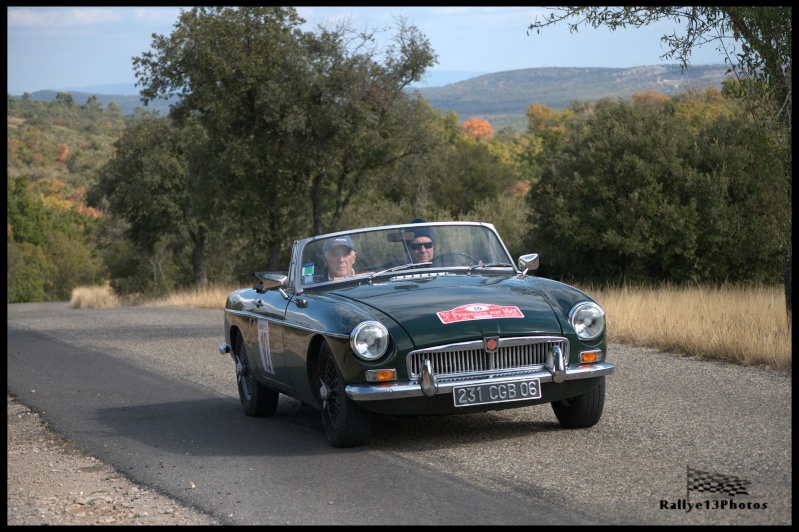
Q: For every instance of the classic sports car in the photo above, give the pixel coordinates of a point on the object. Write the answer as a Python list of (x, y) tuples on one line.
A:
[(414, 319)]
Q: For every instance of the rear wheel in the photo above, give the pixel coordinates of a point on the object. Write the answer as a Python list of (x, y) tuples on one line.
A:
[(256, 399), (583, 410), (345, 423)]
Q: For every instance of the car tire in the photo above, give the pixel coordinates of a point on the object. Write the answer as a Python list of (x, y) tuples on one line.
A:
[(583, 410), (256, 399), (346, 424)]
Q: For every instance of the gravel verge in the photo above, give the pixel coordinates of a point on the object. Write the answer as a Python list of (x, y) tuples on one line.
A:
[(50, 482)]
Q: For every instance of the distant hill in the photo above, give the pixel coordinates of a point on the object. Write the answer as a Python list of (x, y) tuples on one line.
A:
[(110, 88), (439, 78), (502, 98), (126, 102)]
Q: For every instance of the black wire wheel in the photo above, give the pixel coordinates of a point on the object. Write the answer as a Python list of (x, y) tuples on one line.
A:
[(345, 423), (256, 399)]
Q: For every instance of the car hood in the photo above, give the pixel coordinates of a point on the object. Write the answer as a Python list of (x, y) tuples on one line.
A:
[(447, 309)]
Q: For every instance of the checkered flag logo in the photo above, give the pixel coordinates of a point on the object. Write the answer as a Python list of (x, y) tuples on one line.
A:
[(706, 482)]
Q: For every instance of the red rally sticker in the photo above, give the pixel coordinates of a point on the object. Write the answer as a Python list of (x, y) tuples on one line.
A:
[(478, 311)]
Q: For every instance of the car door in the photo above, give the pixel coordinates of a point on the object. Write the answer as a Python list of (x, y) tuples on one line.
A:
[(267, 333)]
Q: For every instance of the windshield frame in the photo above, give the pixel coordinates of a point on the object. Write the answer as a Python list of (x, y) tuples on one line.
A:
[(297, 275)]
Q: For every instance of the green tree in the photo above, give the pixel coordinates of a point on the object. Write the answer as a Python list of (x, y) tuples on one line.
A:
[(472, 174), (114, 109), (74, 265), (156, 181), (617, 199), (762, 61), (304, 119), (28, 272), (702, 108), (729, 156), (636, 195), (63, 100), (454, 176), (25, 212), (545, 136), (124, 260), (93, 104), (508, 212), (49, 248)]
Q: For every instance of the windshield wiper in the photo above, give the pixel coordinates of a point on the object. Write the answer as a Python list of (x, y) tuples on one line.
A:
[(489, 265), (398, 268)]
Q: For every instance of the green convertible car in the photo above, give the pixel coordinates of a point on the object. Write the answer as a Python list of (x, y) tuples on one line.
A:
[(414, 319)]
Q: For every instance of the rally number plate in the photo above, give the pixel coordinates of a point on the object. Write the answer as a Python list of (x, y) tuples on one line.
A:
[(497, 392)]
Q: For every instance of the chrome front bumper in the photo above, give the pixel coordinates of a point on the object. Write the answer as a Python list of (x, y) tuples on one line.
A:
[(429, 385)]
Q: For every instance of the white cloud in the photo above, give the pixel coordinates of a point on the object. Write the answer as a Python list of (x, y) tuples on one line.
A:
[(65, 18), (159, 16), (62, 18)]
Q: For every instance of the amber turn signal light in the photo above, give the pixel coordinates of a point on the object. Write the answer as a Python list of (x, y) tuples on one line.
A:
[(381, 375), (587, 357)]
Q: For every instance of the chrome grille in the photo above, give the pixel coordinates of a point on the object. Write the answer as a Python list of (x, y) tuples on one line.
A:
[(470, 359)]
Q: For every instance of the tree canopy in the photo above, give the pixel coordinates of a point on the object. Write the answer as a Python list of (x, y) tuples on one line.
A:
[(156, 183), (301, 118), (757, 44), (324, 133)]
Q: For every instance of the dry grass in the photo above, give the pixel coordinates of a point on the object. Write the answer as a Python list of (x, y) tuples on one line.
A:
[(745, 326), (93, 297), (211, 297)]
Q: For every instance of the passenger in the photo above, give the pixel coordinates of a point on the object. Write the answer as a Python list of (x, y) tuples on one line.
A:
[(423, 246), (339, 256)]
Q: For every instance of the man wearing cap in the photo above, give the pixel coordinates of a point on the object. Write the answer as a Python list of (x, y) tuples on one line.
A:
[(339, 256), (423, 246)]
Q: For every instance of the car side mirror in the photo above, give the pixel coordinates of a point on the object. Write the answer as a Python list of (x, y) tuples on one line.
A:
[(527, 263), (269, 281)]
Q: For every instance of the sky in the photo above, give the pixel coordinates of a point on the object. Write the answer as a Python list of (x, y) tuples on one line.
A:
[(70, 48)]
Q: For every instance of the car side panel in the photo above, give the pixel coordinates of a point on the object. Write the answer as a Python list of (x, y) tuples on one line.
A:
[(311, 318), (267, 341), (261, 319), (297, 342)]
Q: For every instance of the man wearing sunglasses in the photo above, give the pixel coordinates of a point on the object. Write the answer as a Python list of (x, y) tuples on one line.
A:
[(423, 246)]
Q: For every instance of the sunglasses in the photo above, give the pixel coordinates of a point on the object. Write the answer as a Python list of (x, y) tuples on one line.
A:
[(417, 247)]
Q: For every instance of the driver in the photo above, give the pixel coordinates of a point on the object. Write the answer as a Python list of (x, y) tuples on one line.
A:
[(339, 255), (423, 246)]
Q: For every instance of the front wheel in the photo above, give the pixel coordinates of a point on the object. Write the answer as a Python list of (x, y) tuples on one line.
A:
[(256, 399), (345, 423), (583, 410)]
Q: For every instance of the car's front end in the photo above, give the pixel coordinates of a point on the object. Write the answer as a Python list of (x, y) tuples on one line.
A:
[(449, 344)]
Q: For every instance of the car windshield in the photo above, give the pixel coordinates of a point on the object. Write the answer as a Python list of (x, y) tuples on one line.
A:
[(447, 246)]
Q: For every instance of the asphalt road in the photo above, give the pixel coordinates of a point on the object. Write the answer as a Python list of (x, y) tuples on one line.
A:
[(144, 389)]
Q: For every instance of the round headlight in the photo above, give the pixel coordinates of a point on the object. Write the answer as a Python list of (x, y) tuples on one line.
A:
[(588, 320), (369, 340)]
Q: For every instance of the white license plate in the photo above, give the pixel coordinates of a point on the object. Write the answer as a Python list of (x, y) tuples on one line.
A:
[(497, 392)]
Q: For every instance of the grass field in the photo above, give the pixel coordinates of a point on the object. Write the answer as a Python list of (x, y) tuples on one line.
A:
[(746, 326)]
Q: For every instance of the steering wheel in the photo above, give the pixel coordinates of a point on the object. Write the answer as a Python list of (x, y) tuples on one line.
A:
[(440, 257)]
